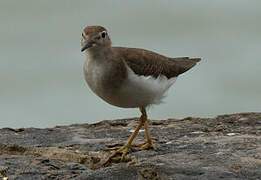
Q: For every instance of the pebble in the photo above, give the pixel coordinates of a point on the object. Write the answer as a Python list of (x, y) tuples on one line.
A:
[(197, 132), (141, 130), (231, 134), (219, 153)]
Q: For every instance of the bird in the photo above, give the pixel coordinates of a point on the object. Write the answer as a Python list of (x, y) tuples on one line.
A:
[(129, 77)]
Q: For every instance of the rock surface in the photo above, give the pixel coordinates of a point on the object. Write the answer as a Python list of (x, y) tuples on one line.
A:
[(224, 147)]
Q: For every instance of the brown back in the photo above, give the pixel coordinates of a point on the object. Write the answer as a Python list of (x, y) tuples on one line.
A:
[(146, 63)]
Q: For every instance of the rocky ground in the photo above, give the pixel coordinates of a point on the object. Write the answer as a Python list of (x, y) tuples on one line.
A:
[(224, 147)]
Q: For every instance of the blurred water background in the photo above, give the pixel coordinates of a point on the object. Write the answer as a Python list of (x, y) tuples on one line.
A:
[(41, 79)]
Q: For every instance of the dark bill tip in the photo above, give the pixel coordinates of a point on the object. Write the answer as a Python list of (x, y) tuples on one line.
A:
[(87, 45)]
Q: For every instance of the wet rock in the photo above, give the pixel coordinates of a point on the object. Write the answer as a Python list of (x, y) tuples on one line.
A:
[(225, 147)]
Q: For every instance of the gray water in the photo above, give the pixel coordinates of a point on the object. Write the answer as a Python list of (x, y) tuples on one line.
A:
[(41, 79)]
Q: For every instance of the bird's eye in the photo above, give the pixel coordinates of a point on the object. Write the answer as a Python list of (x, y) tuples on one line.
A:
[(82, 35), (103, 34)]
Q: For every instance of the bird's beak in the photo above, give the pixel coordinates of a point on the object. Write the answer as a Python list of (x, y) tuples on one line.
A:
[(87, 45)]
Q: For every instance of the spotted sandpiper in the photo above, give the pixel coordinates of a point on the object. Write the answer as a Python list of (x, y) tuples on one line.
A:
[(129, 77)]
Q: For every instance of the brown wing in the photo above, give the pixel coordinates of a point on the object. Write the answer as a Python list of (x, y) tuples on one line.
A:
[(144, 62)]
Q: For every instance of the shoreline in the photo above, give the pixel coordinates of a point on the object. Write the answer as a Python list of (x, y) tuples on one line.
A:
[(223, 147)]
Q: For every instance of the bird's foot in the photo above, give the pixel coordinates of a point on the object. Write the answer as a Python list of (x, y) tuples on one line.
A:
[(120, 155), (147, 145)]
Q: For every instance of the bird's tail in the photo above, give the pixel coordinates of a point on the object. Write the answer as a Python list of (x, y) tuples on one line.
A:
[(185, 63)]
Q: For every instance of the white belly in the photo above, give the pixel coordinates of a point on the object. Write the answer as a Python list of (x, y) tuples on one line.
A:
[(138, 91)]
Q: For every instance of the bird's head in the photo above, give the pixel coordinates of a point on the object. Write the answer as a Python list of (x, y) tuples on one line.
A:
[(95, 38)]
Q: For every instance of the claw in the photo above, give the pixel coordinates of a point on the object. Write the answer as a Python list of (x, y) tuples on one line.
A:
[(149, 146), (123, 158)]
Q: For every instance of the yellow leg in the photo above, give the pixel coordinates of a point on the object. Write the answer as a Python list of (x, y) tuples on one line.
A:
[(124, 149), (148, 144), (135, 133)]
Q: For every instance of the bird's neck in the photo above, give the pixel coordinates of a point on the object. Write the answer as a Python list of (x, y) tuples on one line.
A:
[(99, 53)]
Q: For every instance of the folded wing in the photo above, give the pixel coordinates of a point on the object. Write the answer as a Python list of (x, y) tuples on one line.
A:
[(148, 63)]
